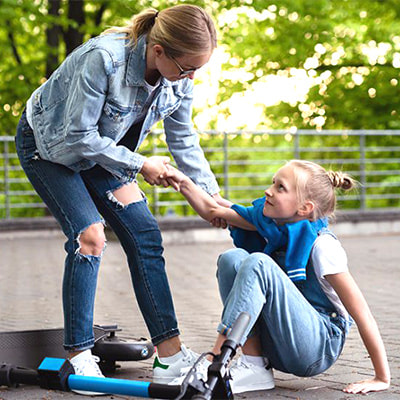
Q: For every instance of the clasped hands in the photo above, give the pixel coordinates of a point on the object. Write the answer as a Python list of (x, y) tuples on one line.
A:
[(157, 170)]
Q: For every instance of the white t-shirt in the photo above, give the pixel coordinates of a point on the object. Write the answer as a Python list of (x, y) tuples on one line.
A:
[(328, 257), (150, 94)]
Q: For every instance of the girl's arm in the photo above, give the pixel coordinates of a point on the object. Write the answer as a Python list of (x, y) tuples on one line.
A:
[(356, 305), (205, 205)]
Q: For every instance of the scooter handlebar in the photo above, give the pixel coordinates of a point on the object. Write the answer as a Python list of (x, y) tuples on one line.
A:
[(239, 327)]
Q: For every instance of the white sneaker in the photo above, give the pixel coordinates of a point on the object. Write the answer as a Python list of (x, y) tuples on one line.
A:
[(85, 364), (165, 373), (201, 372), (247, 377)]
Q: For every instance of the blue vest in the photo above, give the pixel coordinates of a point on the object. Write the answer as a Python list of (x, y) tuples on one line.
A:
[(252, 241)]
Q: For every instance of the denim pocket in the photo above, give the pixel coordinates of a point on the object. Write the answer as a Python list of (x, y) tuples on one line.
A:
[(116, 112)]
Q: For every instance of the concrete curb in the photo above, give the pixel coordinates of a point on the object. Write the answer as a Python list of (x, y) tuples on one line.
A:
[(194, 229)]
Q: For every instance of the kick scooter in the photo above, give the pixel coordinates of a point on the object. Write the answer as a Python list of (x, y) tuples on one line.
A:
[(58, 374), (29, 348)]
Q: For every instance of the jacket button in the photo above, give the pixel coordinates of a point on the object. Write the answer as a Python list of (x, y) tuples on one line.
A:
[(334, 315)]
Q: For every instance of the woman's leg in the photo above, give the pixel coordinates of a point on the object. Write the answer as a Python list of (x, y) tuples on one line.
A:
[(67, 198), (294, 336), (126, 211)]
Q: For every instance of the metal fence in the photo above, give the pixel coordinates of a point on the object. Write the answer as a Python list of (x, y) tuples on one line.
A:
[(244, 163)]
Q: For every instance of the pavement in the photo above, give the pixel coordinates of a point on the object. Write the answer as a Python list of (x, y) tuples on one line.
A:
[(31, 265)]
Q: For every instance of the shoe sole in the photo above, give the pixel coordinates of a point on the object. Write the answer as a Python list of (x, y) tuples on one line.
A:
[(85, 393), (253, 388), (164, 380)]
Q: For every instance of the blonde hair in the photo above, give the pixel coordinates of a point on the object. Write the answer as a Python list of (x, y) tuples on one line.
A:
[(180, 30), (318, 185)]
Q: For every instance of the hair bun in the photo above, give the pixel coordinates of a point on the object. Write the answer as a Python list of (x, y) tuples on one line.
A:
[(340, 180)]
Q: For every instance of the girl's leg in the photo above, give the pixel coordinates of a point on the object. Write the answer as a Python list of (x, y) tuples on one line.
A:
[(67, 198), (295, 337), (126, 211), (229, 264)]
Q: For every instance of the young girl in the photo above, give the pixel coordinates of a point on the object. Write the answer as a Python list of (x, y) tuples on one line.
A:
[(290, 274)]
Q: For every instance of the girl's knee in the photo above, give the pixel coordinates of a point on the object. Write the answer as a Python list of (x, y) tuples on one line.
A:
[(259, 262), (229, 262), (231, 257), (92, 240)]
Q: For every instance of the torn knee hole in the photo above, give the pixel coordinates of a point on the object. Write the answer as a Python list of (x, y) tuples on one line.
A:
[(125, 195), (92, 241), (114, 200)]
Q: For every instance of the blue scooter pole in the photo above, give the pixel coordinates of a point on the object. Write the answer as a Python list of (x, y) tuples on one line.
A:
[(58, 374), (123, 387)]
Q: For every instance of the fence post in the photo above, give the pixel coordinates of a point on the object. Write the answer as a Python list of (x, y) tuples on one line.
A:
[(363, 172), (297, 145), (6, 181), (156, 197), (226, 166)]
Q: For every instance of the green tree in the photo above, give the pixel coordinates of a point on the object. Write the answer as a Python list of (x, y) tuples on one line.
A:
[(351, 50)]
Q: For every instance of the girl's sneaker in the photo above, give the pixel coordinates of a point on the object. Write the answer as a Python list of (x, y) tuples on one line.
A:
[(165, 373), (85, 364), (248, 377), (200, 371)]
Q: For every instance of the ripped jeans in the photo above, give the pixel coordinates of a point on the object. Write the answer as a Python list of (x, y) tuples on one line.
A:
[(79, 200)]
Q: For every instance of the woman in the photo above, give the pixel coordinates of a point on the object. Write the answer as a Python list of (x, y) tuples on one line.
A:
[(78, 142)]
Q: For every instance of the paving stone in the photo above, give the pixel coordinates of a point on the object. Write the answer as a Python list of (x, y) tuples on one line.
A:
[(30, 298)]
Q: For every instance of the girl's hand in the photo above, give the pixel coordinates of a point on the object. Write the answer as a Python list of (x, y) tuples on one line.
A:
[(369, 385), (154, 168), (174, 177), (221, 201), (219, 222)]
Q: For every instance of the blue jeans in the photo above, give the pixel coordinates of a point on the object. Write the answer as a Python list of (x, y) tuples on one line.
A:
[(294, 336), (78, 200)]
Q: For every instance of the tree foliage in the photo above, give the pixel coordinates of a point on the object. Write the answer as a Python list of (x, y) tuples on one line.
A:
[(348, 52), (287, 64)]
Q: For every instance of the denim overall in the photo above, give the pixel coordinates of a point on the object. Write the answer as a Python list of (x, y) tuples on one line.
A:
[(300, 331)]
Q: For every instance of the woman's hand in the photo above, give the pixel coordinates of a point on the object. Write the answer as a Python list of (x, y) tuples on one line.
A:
[(154, 169), (369, 385)]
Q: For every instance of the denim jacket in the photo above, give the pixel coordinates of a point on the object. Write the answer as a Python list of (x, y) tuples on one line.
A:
[(80, 114)]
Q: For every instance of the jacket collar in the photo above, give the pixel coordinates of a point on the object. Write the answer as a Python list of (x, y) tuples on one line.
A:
[(136, 66)]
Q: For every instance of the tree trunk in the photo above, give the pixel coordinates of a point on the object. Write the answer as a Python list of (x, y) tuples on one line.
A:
[(53, 38), (73, 36)]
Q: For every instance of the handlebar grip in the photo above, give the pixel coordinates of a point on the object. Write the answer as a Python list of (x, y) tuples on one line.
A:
[(239, 327)]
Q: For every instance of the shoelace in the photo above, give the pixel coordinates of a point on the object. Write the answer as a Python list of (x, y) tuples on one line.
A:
[(188, 355), (239, 363), (200, 368)]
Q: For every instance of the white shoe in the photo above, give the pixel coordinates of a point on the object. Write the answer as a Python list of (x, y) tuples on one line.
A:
[(85, 364), (201, 372), (247, 377), (165, 373)]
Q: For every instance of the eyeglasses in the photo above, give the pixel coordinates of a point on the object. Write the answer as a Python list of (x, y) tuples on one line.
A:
[(183, 72)]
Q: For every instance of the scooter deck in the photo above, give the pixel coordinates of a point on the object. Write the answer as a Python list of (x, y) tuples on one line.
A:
[(29, 348)]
